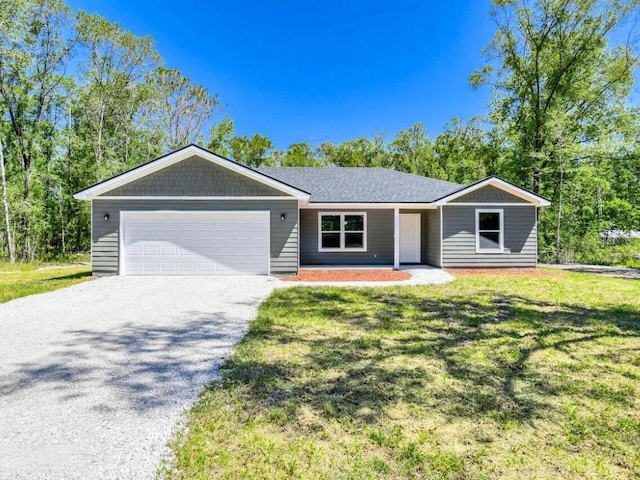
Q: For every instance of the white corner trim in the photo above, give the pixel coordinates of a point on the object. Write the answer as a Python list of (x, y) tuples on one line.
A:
[(178, 156), (441, 209), (502, 185), (396, 238), (342, 248), (91, 236), (121, 269), (500, 235)]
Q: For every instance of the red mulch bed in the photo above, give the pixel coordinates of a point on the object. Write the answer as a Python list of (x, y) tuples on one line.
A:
[(527, 272), (355, 275)]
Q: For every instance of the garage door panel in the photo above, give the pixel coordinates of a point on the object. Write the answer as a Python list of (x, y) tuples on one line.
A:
[(205, 267), (151, 250), (150, 267), (187, 267), (169, 250), (134, 267), (195, 243)]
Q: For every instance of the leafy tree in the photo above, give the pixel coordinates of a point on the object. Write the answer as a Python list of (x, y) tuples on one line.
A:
[(255, 151), (220, 135), (360, 152), (299, 155), (411, 151), (111, 97), (464, 152), (560, 90), (34, 49)]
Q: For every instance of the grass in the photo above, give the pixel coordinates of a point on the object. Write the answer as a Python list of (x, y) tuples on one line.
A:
[(485, 377), (22, 279), (623, 254)]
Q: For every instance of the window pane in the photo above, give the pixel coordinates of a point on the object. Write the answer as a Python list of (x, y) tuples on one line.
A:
[(489, 221), (354, 240), (330, 223), (330, 240), (489, 240), (354, 223)]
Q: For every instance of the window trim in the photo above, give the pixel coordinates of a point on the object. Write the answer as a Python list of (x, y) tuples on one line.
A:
[(342, 248), (501, 231)]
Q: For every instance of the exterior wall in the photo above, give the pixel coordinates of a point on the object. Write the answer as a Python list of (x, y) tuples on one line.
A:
[(431, 236), (489, 194), (379, 240), (105, 235), (195, 177), (459, 238)]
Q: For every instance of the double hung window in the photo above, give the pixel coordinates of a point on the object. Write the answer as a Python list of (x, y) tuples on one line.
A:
[(342, 232)]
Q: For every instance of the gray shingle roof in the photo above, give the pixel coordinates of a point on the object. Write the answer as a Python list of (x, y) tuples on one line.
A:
[(361, 184)]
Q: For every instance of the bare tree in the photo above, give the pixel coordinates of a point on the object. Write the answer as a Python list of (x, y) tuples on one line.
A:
[(5, 207), (181, 108)]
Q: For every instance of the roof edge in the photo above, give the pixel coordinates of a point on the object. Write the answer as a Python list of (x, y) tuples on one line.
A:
[(177, 156), (497, 182)]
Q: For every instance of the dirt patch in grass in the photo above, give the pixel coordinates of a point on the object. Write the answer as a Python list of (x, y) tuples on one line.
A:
[(526, 272), (350, 275)]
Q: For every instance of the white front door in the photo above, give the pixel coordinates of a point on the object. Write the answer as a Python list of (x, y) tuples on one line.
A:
[(194, 243), (409, 238)]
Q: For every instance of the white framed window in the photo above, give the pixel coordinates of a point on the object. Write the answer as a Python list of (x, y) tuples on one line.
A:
[(489, 230), (342, 232)]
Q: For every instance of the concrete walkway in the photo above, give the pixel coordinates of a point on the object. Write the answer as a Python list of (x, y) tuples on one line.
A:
[(420, 275)]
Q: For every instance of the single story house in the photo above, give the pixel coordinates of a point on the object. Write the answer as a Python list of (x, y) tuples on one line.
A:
[(192, 212)]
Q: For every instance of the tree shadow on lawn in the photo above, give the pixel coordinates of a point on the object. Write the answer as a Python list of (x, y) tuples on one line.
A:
[(71, 276), (144, 366), (393, 349)]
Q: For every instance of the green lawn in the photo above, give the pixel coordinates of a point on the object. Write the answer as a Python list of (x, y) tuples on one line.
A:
[(485, 377), (22, 279)]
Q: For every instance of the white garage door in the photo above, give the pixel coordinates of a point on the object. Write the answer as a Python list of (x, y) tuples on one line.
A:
[(194, 243)]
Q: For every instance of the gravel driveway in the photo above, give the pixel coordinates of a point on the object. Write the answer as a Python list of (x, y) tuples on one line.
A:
[(94, 378), (606, 271)]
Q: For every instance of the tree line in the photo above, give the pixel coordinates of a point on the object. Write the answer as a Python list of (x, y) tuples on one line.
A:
[(82, 99)]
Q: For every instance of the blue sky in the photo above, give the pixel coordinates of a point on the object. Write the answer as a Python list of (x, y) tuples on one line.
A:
[(315, 71)]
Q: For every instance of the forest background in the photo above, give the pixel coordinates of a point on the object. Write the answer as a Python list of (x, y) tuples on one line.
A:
[(83, 99)]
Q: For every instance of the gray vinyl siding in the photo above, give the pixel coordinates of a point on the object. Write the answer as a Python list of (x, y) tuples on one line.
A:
[(379, 240), (459, 238), (105, 235), (431, 237), (195, 177), (489, 194)]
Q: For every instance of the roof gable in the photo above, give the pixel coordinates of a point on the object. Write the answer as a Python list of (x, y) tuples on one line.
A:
[(489, 194), (196, 177), (181, 155), (485, 191)]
